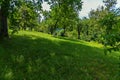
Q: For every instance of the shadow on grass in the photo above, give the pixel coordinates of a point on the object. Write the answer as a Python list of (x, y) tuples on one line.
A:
[(27, 58)]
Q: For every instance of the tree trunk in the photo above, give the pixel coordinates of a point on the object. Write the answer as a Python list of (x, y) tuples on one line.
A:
[(3, 24), (55, 26), (78, 29), (3, 18), (51, 30), (87, 33), (63, 34)]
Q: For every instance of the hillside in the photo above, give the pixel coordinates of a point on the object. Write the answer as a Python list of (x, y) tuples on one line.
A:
[(38, 56)]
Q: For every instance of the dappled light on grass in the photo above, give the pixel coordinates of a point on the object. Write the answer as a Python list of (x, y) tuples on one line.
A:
[(29, 56)]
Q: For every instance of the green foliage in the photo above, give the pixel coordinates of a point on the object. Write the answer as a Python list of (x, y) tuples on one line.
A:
[(103, 26), (110, 4), (63, 15), (72, 34), (24, 16), (111, 23)]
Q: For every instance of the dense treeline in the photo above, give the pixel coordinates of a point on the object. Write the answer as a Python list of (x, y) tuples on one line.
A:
[(102, 25)]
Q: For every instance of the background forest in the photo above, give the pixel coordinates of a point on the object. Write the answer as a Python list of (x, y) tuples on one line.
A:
[(102, 24)]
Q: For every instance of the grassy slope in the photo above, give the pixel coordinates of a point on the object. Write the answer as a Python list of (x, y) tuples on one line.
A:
[(38, 56)]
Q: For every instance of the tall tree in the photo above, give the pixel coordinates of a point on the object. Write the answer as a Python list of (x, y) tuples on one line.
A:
[(79, 27), (7, 6), (64, 12), (110, 4), (110, 22), (4, 7)]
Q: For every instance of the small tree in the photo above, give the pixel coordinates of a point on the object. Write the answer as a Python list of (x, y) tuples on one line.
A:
[(111, 23)]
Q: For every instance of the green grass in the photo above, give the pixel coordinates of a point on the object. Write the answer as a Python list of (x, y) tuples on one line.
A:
[(37, 56)]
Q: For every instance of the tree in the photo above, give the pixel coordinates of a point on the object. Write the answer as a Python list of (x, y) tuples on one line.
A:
[(79, 28), (110, 4), (95, 29), (111, 23), (8, 6), (64, 12), (4, 7)]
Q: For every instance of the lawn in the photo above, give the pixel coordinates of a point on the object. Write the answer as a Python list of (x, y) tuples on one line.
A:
[(38, 56)]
